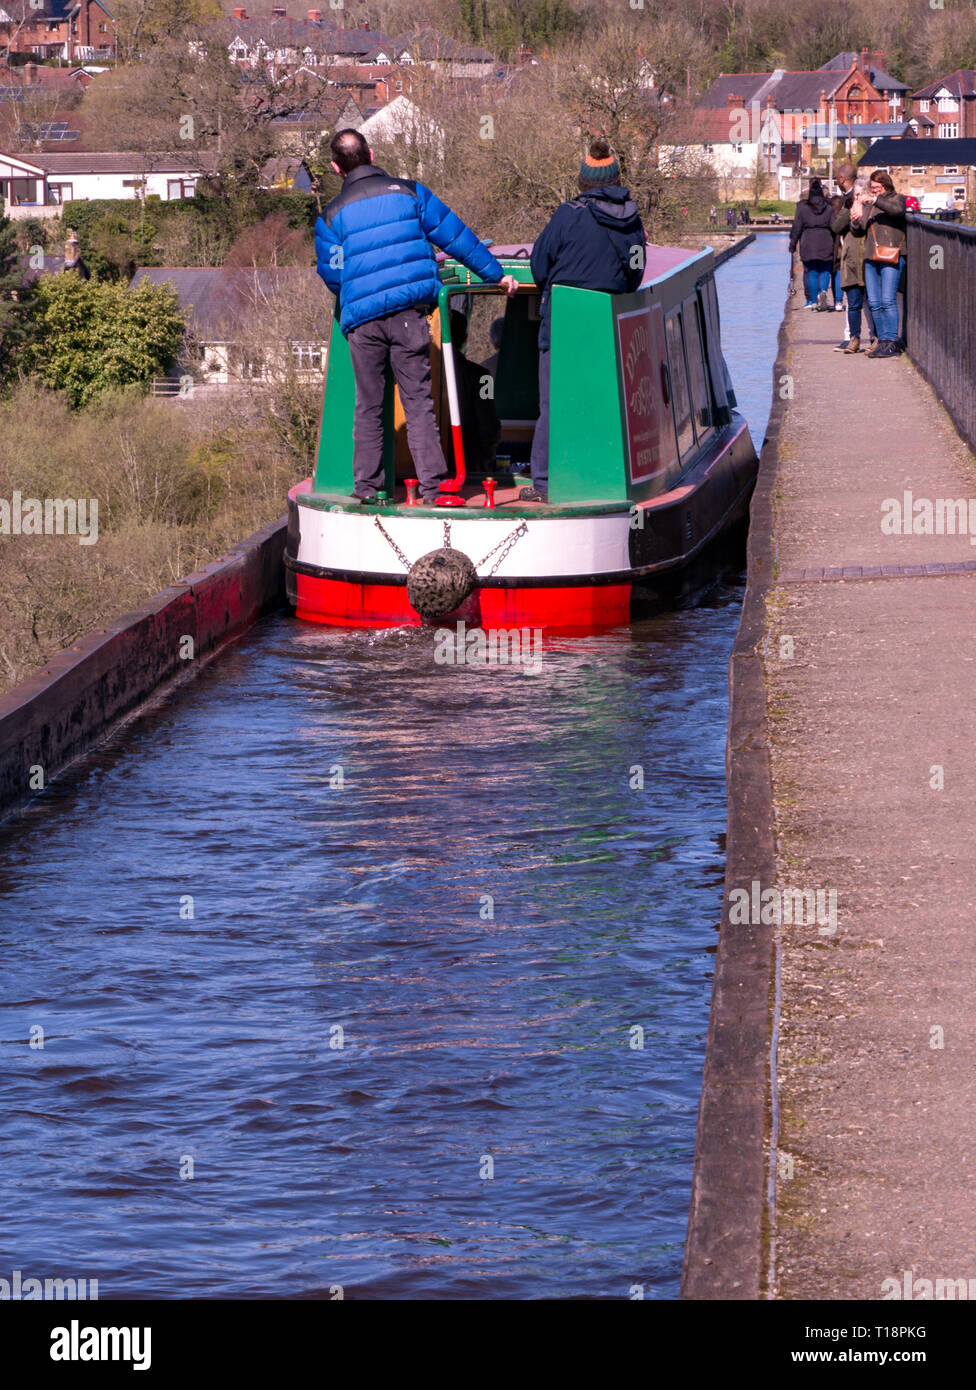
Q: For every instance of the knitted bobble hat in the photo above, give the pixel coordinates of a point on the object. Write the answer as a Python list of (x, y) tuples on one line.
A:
[(600, 165)]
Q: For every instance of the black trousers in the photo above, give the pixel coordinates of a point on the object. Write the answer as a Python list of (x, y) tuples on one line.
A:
[(402, 340)]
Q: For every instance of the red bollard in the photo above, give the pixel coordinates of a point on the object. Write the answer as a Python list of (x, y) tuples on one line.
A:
[(412, 485), (489, 486)]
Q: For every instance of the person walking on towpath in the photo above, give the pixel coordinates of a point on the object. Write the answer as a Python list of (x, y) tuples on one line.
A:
[(879, 217), (811, 235), (373, 248), (594, 242)]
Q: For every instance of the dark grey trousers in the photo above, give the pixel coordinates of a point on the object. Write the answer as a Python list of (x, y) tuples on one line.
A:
[(402, 340)]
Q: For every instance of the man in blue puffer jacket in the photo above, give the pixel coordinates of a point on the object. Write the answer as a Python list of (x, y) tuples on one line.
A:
[(373, 246)]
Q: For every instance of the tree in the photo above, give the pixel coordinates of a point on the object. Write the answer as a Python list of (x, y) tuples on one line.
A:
[(144, 23), (93, 337), (15, 299), (271, 242)]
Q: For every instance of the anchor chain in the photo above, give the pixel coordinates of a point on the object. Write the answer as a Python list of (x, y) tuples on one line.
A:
[(501, 550), (504, 546), (392, 543)]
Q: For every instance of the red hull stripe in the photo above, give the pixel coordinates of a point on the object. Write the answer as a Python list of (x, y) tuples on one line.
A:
[(580, 609)]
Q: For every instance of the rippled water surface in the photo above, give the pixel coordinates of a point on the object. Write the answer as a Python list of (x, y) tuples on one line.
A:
[(411, 962)]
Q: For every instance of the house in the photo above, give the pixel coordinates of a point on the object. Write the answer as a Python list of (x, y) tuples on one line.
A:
[(442, 54), (221, 302), (946, 109), (747, 120), (928, 166), (40, 262), (731, 147), (894, 92), (298, 133), (36, 185), (800, 96), (285, 41), (820, 139), (402, 120), (70, 29), (286, 174)]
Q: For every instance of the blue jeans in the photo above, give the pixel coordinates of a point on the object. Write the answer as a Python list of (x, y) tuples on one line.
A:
[(816, 277), (837, 287), (539, 458), (855, 303), (881, 286)]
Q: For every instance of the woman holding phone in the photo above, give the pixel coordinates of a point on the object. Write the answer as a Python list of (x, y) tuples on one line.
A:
[(879, 217)]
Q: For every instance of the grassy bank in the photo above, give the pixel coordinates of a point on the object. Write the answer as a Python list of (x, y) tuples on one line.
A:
[(177, 484)]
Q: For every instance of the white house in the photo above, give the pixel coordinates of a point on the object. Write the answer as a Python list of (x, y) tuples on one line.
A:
[(401, 119), (37, 185), (231, 311)]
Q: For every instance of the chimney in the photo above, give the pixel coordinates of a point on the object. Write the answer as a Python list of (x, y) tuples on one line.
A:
[(865, 59), (770, 101), (315, 16), (734, 99), (879, 59), (240, 12)]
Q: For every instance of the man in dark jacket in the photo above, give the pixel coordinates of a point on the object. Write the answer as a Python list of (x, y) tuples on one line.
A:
[(373, 246), (595, 242)]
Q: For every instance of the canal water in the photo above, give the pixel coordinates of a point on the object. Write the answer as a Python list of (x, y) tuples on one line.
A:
[(359, 972)]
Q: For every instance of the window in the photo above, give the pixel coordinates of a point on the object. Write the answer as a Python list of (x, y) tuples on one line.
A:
[(60, 192), (959, 194), (307, 357), (948, 104), (101, 28), (680, 396), (736, 146), (951, 169), (917, 170), (949, 131), (700, 394), (923, 106)]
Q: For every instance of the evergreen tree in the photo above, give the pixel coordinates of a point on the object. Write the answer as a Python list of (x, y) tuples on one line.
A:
[(15, 299)]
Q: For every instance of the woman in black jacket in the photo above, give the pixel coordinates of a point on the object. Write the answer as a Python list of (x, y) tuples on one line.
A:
[(811, 234)]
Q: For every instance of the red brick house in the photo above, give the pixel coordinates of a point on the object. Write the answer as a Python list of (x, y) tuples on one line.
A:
[(70, 29), (946, 108)]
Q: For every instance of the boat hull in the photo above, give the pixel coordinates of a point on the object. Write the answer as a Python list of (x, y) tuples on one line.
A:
[(565, 570)]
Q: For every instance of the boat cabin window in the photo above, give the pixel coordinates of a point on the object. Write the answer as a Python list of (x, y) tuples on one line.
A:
[(701, 396), (680, 394), (502, 339)]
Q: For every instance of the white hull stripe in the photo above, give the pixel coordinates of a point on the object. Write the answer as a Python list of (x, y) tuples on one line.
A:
[(560, 547)]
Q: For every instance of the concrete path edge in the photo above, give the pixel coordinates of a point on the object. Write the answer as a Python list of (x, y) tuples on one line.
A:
[(725, 1251)]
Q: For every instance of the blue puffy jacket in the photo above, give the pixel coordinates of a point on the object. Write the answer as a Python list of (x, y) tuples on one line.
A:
[(373, 246)]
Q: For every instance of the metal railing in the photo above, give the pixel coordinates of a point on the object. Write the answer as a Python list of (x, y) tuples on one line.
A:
[(940, 314)]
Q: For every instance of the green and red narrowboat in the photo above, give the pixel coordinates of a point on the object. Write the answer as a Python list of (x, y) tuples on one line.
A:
[(650, 465)]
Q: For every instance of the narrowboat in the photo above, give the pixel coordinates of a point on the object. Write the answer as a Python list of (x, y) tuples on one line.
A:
[(651, 468)]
